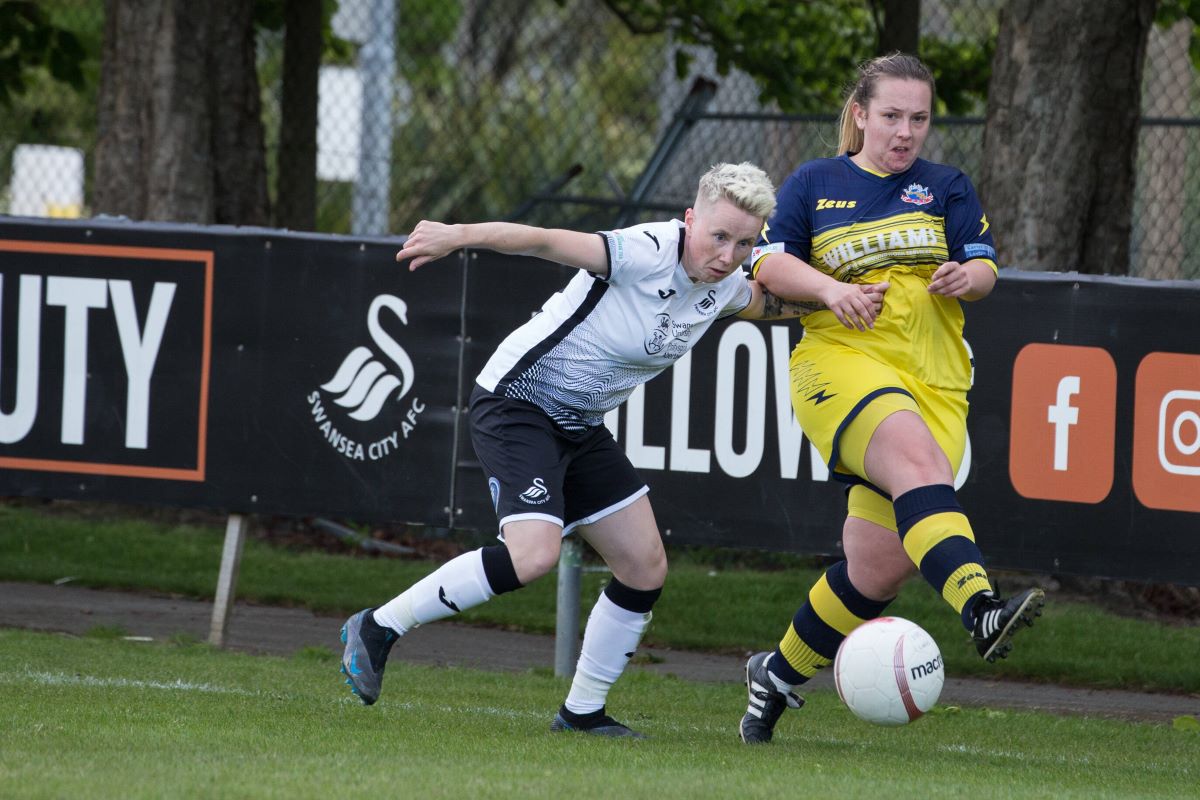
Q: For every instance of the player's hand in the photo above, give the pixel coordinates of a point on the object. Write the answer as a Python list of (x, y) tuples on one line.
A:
[(875, 293), (952, 279), (429, 241), (855, 305)]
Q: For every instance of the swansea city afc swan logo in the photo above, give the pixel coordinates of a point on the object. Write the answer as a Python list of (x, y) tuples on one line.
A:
[(364, 388)]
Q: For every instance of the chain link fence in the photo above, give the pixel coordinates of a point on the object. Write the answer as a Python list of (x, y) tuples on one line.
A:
[(555, 113)]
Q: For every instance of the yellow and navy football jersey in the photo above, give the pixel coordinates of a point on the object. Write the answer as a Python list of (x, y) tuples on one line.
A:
[(863, 227)]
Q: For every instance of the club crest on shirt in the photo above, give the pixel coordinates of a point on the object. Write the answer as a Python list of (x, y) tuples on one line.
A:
[(916, 194), (668, 338), (708, 305), (659, 335)]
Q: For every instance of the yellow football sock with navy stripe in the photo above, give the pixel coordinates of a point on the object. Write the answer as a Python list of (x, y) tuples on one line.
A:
[(939, 540), (834, 608)]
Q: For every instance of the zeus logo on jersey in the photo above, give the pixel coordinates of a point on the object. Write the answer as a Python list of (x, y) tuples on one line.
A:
[(536, 494), (825, 203)]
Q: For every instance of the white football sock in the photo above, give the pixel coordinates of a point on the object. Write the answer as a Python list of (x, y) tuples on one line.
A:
[(455, 586), (609, 641), (780, 684)]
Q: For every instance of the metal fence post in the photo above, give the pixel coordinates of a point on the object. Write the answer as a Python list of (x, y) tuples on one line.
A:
[(566, 625), (231, 558), (370, 203)]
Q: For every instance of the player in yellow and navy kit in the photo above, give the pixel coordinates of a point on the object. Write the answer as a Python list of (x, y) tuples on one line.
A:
[(882, 397)]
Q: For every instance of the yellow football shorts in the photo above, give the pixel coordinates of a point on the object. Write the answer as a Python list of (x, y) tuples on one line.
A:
[(840, 395)]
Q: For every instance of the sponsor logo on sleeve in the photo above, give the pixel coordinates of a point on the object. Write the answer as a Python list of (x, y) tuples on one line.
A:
[(764, 250), (978, 250)]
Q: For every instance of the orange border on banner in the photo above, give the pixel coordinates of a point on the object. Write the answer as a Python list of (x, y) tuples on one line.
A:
[(156, 253)]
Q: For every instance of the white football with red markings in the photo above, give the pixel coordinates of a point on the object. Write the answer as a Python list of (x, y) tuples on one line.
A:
[(889, 671)]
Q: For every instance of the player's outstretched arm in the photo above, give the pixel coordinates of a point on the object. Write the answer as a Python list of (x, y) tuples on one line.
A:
[(430, 241), (765, 305), (790, 279)]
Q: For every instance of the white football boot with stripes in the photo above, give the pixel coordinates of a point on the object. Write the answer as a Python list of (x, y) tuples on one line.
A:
[(767, 702)]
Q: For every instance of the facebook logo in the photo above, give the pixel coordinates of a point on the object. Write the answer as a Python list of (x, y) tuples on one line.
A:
[(1062, 416), (1063, 423)]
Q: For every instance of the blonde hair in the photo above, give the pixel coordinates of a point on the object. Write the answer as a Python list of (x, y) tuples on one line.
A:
[(893, 65), (744, 185)]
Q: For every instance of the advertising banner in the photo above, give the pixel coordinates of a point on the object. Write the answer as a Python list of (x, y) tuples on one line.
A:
[(260, 371), (237, 369)]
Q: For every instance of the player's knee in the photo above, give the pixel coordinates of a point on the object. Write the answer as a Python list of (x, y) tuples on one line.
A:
[(880, 574), (655, 569), (533, 559), (645, 570)]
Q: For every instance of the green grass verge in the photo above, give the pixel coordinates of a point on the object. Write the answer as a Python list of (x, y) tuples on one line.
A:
[(704, 608), (96, 717)]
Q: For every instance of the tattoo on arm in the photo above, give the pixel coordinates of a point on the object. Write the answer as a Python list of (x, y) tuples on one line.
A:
[(778, 308)]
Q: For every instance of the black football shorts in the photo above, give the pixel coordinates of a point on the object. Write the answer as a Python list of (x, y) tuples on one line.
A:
[(536, 470)]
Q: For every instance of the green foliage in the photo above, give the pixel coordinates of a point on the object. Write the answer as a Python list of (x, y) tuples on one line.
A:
[(1171, 11), (961, 70), (46, 109), (269, 16), (523, 102), (29, 40), (803, 55)]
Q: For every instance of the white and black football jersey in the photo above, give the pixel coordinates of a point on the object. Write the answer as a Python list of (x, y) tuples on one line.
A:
[(601, 337)]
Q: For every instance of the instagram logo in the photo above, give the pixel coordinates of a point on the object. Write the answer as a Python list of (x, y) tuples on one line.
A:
[(1166, 432), (1178, 413)]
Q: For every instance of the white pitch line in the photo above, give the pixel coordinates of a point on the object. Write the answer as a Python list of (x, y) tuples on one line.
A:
[(65, 679)]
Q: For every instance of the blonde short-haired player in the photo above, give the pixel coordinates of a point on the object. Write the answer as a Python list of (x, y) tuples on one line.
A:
[(642, 298), (884, 404)]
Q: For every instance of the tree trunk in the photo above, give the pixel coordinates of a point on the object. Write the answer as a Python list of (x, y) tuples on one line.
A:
[(179, 130), (296, 196), (901, 27), (238, 143), (1061, 134)]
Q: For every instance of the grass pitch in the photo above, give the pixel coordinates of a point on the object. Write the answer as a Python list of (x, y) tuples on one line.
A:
[(703, 607), (100, 717)]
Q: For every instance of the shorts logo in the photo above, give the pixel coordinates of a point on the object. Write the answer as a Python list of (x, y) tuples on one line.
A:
[(916, 194), (819, 397), (494, 488), (537, 493), (1064, 401), (1166, 432)]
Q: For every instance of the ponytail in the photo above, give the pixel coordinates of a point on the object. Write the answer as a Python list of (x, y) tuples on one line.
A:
[(850, 138)]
